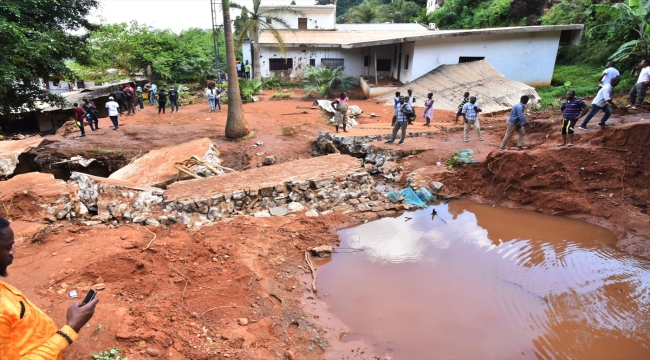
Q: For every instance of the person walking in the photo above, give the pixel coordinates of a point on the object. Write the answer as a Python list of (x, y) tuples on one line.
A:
[(247, 70), (129, 95), (572, 110), (138, 96), (120, 99), (603, 97), (147, 90), (113, 111), (91, 113), (470, 113), (395, 108), (26, 332), (516, 122), (152, 94), (79, 113), (211, 94), (460, 107), (162, 100), (403, 115), (341, 114), (239, 70), (410, 99), (428, 109), (637, 94), (609, 73), (173, 98)]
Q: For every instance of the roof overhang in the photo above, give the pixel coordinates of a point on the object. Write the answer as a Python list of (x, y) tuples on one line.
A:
[(569, 35)]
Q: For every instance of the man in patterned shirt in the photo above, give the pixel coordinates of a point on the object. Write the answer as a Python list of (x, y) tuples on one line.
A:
[(572, 110), (470, 114), (26, 333), (460, 107)]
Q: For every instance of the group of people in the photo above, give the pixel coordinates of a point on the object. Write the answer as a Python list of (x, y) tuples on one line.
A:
[(161, 97), (243, 70)]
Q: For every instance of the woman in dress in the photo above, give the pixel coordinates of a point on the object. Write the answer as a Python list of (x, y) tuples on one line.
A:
[(341, 115), (428, 109)]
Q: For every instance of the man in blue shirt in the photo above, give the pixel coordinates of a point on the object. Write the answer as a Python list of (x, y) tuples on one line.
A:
[(572, 110), (470, 115), (516, 122), (403, 113)]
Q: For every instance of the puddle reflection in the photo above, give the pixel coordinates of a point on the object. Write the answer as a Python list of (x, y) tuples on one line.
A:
[(488, 282)]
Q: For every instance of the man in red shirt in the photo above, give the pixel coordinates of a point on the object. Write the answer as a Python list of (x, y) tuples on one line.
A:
[(80, 118)]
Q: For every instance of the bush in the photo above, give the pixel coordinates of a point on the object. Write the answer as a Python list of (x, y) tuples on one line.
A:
[(249, 88), (272, 83), (281, 96), (324, 81), (287, 130)]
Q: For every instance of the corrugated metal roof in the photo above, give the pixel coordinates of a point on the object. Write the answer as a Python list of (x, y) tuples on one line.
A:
[(90, 93), (493, 91), (381, 27), (349, 39)]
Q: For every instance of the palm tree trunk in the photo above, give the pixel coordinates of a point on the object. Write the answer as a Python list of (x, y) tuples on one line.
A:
[(257, 74), (236, 125)]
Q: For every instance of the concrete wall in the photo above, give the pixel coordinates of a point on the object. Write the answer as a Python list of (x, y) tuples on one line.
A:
[(525, 57), (372, 91), (354, 59), (321, 19)]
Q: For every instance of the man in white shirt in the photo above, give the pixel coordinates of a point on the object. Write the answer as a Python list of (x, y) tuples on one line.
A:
[(637, 95), (609, 73), (113, 111), (603, 97)]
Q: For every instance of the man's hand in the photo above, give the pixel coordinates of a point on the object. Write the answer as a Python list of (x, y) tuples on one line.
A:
[(78, 316)]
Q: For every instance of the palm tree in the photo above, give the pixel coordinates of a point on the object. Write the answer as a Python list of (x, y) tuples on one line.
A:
[(236, 125), (260, 20), (401, 11), (367, 12)]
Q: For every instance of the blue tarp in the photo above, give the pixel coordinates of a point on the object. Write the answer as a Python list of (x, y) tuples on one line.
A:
[(411, 197)]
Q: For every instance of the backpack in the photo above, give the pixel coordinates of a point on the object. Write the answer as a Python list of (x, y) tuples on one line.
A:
[(409, 114)]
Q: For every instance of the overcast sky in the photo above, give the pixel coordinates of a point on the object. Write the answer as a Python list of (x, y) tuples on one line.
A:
[(175, 15)]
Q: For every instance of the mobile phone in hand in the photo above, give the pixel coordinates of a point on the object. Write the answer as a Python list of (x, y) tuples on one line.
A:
[(89, 297)]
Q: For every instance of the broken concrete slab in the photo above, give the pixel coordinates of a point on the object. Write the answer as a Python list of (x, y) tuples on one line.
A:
[(11, 150), (156, 168)]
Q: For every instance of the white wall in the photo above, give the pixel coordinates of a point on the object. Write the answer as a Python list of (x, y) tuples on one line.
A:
[(525, 57), (316, 19), (353, 59)]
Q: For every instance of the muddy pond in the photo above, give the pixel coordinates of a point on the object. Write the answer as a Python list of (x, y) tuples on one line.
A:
[(482, 282)]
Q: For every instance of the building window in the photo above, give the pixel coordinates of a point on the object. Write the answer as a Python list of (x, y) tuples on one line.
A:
[(466, 59), (302, 23), (331, 63), (366, 60), (280, 64), (383, 64), (312, 62), (406, 63)]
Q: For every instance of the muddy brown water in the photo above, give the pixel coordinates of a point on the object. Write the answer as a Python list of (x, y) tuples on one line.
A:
[(490, 283)]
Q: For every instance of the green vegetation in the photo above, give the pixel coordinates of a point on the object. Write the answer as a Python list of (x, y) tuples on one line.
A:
[(249, 88), (112, 354), (287, 130), (35, 39), (583, 79), (323, 81), (132, 48), (281, 96)]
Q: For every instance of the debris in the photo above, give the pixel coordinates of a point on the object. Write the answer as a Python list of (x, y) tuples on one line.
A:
[(312, 270), (312, 213), (152, 352), (261, 153), (99, 286), (322, 251), (295, 207), (269, 160), (297, 113), (242, 321), (259, 143), (278, 211), (436, 186)]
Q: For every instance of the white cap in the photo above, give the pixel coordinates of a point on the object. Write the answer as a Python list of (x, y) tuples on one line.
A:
[(110, 98)]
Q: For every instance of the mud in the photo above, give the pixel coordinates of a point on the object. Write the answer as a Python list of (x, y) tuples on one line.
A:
[(477, 281)]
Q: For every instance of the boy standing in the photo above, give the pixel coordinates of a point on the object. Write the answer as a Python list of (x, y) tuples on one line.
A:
[(470, 113), (79, 113)]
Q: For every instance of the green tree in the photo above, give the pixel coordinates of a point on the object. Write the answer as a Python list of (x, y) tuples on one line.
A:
[(369, 11), (36, 37), (634, 17), (400, 11), (236, 124), (264, 19)]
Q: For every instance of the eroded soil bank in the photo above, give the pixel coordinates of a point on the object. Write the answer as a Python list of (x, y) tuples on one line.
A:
[(185, 294)]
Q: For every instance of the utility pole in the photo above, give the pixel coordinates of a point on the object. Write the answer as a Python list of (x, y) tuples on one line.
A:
[(215, 6)]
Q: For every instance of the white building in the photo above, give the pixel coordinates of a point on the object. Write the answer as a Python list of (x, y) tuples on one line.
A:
[(407, 51)]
